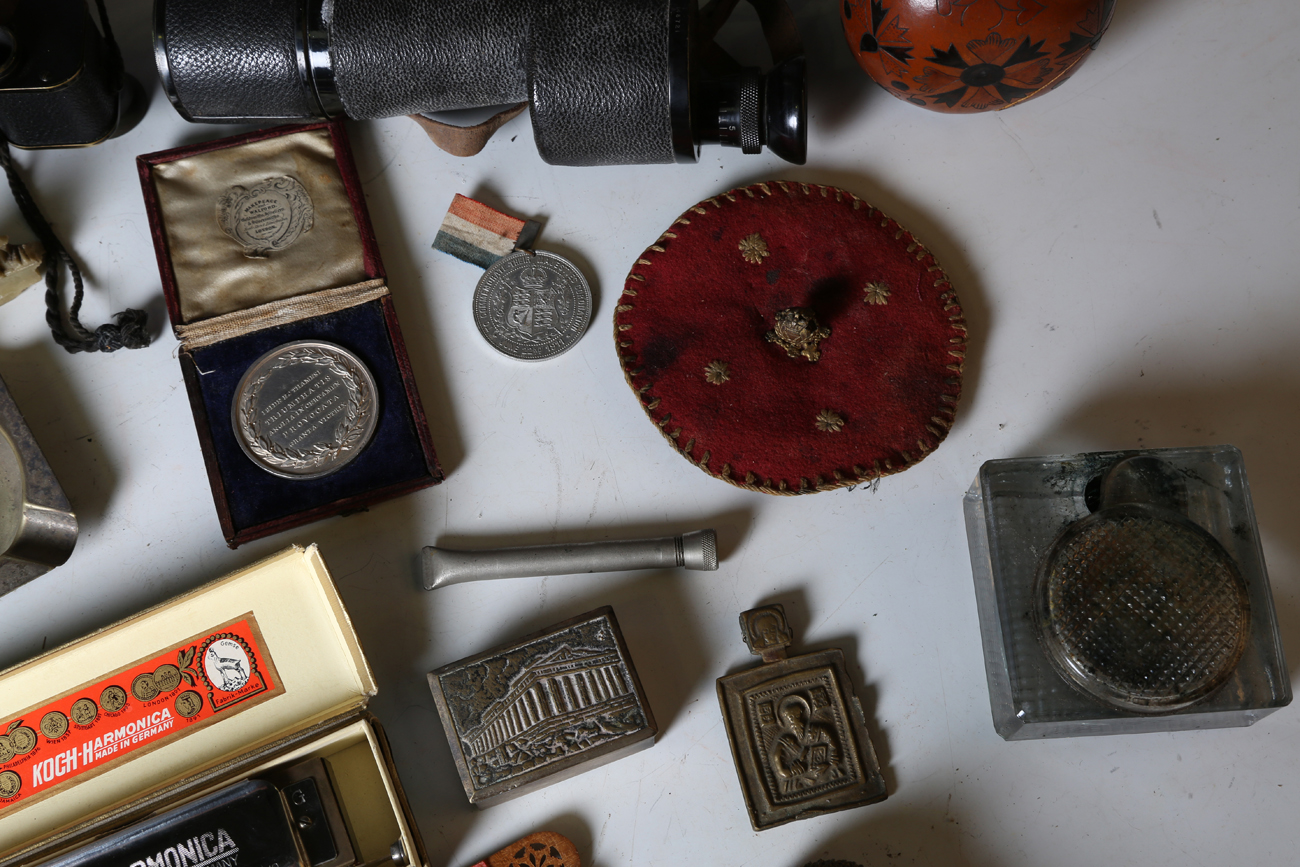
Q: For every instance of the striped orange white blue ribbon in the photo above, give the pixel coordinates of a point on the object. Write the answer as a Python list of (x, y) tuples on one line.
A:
[(480, 235)]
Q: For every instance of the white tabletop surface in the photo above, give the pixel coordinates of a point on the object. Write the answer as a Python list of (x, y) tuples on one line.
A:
[(1126, 252)]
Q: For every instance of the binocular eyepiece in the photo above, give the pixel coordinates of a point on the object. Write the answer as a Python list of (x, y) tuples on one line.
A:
[(637, 81), (750, 110)]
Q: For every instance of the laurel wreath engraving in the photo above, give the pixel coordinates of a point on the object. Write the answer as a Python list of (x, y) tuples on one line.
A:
[(350, 433)]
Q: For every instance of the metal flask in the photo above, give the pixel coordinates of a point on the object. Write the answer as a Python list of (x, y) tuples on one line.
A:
[(37, 526)]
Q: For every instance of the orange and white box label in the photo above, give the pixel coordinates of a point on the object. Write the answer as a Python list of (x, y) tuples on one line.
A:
[(154, 700)]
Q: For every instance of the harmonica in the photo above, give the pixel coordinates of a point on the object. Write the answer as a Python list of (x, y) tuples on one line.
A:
[(288, 817)]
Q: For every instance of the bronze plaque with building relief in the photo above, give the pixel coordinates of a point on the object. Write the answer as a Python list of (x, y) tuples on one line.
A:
[(554, 704), (796, 729)]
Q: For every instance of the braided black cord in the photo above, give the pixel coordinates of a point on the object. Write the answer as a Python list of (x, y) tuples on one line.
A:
[(129, 332)]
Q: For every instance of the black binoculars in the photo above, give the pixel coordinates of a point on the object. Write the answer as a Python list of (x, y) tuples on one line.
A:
[(633, 81)]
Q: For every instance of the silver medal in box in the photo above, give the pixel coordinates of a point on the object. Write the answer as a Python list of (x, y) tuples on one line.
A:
[(305, 409)]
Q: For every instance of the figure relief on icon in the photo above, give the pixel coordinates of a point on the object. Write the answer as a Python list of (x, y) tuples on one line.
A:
[(804, 755)]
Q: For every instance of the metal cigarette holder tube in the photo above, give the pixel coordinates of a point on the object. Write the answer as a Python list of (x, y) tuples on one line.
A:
[(697, 551)]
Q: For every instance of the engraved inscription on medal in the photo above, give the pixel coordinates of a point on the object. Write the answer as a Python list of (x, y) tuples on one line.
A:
[(267, 217), (311, 405), (305, 409)]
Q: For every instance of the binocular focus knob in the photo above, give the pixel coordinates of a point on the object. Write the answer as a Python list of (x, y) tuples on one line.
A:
[(749, 110), (751, 142)]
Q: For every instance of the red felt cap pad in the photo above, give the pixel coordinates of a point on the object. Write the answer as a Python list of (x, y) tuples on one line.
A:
[(691, 324)]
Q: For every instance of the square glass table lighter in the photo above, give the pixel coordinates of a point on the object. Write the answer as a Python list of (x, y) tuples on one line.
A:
[(551, 705), (797, 731), (1123, 592)]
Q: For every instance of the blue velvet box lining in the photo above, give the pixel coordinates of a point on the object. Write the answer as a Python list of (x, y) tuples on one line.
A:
[(393, 457)]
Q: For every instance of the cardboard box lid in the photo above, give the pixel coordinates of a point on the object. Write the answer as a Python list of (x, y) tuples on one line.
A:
[(267, 650)]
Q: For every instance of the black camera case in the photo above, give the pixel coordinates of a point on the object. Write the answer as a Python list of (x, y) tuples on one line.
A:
[(60, 78)]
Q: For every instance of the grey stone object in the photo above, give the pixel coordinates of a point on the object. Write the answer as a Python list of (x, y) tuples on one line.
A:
[(38, 529), (550, 706), (697, 551)]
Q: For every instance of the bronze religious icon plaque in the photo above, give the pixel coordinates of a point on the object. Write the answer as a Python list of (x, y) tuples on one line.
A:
[(796, 729), (547, 707)]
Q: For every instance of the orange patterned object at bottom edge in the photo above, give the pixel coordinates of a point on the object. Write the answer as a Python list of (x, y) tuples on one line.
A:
[(543, 849), (962, 56)]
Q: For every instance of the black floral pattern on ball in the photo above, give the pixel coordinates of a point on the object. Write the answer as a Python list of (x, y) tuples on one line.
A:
[(888, 39), (1088, 32), (992, 72), (537, 854)]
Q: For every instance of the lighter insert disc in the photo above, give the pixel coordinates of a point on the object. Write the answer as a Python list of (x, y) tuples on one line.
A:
[(1138, 606), (305, 409), (796, 729)]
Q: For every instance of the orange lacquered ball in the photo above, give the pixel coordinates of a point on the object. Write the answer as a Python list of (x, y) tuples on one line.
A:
[(963, 56)]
